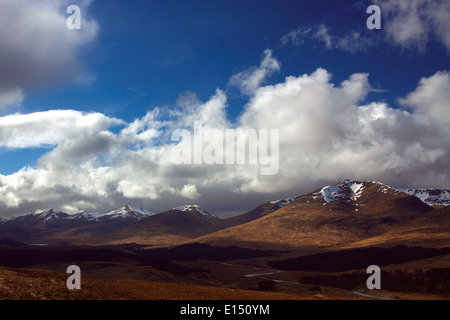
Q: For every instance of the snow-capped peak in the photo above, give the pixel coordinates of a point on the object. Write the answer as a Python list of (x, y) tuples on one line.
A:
[(430, 196), (47, 212), (343, 191), (193, 208), (50, 215), (124, 212)]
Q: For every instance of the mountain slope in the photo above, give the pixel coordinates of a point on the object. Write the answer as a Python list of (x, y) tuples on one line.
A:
[(184, 223), (336, 215), (431, 196), (428, 230), (171, 227), (258, 212), (38, 220)]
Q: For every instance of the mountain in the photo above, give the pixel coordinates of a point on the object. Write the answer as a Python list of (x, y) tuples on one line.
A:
[(119, 225), (54, 226), (348, 213), (175, 226), (332, 216), (124, 213), (431, 196), (58, 218), (49, 217), (195, 210), (185, 223)]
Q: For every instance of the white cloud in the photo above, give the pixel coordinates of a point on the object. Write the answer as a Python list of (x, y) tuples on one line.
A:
[(189, 191), (350, 41), (49, 128), (327, 133), (409, 24), (413, 23), (431, 97), (251, 79)]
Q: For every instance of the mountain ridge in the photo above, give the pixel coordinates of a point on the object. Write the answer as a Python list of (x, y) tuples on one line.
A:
[(349, 210), (431, 196), (346, 189)]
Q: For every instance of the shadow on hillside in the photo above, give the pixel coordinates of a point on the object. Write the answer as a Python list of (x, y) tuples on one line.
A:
[(354, 259), (17, 255)]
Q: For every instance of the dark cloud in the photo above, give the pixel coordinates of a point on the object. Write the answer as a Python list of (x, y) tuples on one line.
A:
[(36, 46)]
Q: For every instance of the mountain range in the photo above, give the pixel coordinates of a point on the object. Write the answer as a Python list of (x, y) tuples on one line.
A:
[(344, 214), (347, 214)]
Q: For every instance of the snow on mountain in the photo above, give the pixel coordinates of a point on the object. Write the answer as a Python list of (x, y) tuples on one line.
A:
[(350, 190), (357, 189), (125, 212), (430, 196), (345, 191), (51, 215), (283, 202), (332, 193), (57, 217), (193, 208)]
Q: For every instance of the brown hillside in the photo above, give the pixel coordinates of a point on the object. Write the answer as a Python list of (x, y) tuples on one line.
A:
[(168, 228), (311, 223), (49, 285)]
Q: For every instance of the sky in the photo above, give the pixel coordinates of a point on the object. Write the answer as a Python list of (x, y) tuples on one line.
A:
[(87, 115)]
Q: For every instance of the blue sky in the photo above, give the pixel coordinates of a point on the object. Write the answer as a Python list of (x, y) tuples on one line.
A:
[(149, 52), (132, 57)]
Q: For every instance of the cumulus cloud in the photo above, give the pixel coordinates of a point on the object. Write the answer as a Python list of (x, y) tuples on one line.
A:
[(49, 128), (341, 137), (328, 131), (189, 191), (37, 47), (431, 97)]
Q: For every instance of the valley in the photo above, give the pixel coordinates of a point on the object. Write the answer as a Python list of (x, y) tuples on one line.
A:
[(315, 246)]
